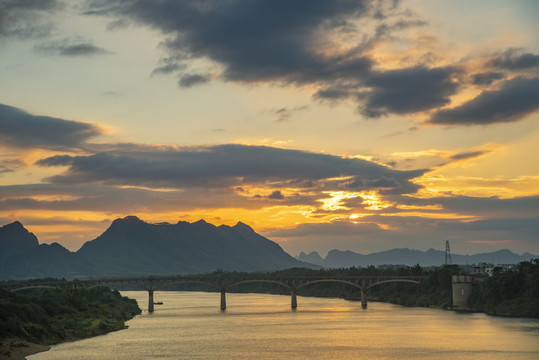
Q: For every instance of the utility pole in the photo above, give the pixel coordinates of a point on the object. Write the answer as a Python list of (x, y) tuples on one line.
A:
[(447, 253)]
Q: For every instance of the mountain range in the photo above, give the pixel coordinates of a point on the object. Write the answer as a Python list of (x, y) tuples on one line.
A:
[(132, 247), (345, 259)]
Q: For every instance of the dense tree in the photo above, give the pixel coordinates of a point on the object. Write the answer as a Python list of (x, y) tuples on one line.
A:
[(49, 316)]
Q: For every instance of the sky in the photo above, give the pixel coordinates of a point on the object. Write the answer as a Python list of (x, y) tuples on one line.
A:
[(360, 125)]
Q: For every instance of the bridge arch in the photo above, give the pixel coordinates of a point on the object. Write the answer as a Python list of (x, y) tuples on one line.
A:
[(392, 281), (331, 280), (259, 281)]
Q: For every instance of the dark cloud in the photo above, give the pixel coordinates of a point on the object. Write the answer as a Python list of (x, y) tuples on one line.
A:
[(96, 197), (514, 59), (276, 195), (334, 93), (487, 78), (253, 40), (190, 80), (408, 90), (286, 42), (71, 48), (285, 113), (515, 99), (21, 129), (467, 155), (167, 68), (492, 206), (225, 166), (4, 170), (27, 18)]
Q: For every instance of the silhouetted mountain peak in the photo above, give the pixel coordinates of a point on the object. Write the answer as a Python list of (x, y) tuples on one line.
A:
[(243, 227), (14, 238), (14, 225), (313, 257), (128, 221), (201, 222)]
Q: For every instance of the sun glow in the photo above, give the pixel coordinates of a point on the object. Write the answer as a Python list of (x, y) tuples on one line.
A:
[(337, 199), (374, 201)]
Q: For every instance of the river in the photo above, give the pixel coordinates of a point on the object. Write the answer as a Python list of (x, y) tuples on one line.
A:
[(190, 325)]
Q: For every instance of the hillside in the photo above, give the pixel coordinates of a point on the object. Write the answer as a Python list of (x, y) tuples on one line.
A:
[(132, 247)]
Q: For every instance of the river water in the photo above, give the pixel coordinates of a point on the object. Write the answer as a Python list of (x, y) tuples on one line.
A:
[(190, 325)]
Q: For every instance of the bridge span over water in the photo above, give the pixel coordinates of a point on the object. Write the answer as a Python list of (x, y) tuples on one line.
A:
[(223, 283)]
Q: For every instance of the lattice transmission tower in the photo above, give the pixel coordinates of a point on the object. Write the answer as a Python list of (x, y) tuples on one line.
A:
[(447, 253)]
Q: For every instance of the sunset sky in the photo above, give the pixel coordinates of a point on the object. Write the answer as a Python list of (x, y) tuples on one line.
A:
[(348, 124)]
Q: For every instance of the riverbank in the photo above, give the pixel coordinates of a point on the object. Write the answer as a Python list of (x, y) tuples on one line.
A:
[(19, 349), (30, 323)]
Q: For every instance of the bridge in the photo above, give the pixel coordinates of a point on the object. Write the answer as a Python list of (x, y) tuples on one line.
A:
[(223, 282)]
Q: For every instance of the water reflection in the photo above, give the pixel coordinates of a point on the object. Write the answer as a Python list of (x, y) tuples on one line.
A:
[(190, 325)]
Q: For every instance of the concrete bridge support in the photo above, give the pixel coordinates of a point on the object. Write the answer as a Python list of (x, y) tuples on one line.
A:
[(294, 298), (223, 299), (462, 288), (363, 299), (363, 294), (150, 300)]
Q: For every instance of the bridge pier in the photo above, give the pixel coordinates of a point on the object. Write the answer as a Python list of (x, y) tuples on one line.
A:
[(363, 290), (150, 300), (223, 298), (363, 299), (294, 298)]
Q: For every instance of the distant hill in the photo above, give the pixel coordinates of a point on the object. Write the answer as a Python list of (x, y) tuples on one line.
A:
[(133, 247), (337, 258)]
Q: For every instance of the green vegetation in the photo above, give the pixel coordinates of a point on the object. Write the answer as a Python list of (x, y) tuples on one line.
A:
[(514, 293), (49, 316)]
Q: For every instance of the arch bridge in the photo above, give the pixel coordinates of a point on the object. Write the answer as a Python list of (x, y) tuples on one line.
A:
[(223, 282)]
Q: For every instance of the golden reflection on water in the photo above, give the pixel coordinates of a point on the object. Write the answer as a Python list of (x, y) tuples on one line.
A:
[(189, 325)]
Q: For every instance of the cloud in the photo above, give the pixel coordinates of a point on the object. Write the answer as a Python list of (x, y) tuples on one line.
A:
[(285, 113), (514, 59), (467, 155), (27, 18), (252, 40), (71, 48), (23, 130), (290, 43), (226, 166), (4, 170), (276, 195), (490, 207), (408, 90), (167, 68), (487, 78), (190, 80), (516, 99)]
